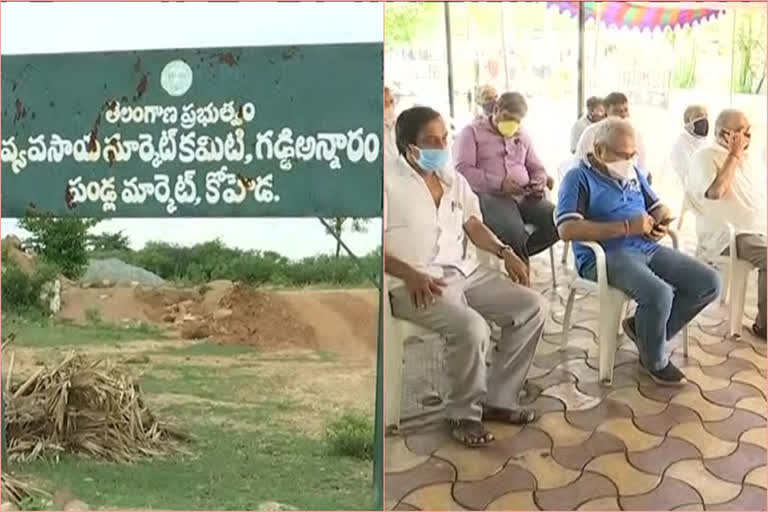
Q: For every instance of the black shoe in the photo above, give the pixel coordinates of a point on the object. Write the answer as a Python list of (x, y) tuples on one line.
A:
[(760, 332), (669, 376), (628, 325)]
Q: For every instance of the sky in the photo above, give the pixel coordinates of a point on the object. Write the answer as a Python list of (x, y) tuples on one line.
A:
[(95, 26)]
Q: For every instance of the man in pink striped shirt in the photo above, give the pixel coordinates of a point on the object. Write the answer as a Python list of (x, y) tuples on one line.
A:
[(499, 162)]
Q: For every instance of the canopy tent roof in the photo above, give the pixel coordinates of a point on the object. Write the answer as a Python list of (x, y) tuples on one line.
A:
[(644, 15)]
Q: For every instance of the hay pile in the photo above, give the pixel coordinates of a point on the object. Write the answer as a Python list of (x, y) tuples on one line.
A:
[(84, 406), (16, 492)]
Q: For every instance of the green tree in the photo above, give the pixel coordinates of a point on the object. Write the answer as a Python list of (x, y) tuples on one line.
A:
[(340, 225), (750, 69), (108, 242), (60, 241)]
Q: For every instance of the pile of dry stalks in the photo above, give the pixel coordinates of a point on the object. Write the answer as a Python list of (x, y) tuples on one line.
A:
[(15, 491), (84, 406)]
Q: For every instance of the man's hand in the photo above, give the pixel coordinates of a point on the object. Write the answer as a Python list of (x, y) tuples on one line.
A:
[(423, 289), (510, 188), (550, 182), (737, 142), (517, 270), (658, 232), (642, 225)]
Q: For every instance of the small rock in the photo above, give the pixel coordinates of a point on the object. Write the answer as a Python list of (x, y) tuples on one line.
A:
[(189, 317), (76, 506), (104, 296), (142, 359), (221, 314), (271, 506), (194, 331)]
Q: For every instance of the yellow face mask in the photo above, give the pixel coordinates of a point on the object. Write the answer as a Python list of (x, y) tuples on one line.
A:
[(508, 128)]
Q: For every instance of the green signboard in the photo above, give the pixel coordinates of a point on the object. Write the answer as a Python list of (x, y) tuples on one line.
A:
[(289, 131)]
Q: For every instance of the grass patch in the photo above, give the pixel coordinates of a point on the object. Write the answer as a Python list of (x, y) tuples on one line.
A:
[(40, 332), (351, 435), (210, 349), (231, 470)]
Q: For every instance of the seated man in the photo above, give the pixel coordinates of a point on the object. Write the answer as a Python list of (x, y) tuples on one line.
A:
[(433, 281), (616, 105), (485, 99), (498, 161), (595, 113), (692, 138), (607, 200), (730, 187)]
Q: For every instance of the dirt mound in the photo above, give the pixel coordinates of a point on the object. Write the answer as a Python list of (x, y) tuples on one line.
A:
[(344, 321), (262, 319), (341, 321)]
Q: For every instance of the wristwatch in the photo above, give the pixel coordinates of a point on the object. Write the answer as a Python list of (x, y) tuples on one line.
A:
[(502, 250)]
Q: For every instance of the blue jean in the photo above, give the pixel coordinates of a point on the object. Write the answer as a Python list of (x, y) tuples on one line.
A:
[(670, 289)]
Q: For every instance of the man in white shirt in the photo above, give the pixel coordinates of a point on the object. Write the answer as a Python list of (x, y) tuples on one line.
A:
[(485, 98), (616, 105), (595, 113), (434, 280), (731, 189), (693, 138)]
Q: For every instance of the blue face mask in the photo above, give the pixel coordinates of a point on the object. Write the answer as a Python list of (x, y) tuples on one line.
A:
[(433, 160)]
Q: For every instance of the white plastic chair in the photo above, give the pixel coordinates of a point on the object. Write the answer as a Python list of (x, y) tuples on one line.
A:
[(722, 263), (613, 308), (739, 271), (396, 331)]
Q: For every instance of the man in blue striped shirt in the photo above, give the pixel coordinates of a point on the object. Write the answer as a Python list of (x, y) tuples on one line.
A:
[(607, 199)]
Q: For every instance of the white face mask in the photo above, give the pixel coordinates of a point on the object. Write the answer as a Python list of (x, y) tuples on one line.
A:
[(623, 170)]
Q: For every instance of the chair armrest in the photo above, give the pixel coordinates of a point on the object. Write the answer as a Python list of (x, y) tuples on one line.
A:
[(673, 235), (602, 270)]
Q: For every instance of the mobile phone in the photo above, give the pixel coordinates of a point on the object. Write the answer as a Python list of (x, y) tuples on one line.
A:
[(665, 222)]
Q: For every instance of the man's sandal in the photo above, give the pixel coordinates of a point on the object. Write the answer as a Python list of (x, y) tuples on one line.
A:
[(471, 433), (510, 416)]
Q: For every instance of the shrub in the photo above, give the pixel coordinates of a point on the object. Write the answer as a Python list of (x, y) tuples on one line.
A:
[(21, 291), (351, 435), (60, 241)]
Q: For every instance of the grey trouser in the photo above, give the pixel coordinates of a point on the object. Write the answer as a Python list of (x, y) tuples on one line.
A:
[(461, 317), (752, 248)]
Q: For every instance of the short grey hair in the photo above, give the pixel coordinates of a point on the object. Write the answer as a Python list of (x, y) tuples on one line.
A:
[(692, 112), (723, 118), (609, 129)]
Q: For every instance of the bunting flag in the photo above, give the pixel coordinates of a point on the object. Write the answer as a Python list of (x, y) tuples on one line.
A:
[(642, 17)]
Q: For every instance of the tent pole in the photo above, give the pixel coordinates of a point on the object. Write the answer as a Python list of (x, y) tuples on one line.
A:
[(733, 59), (580, 64), (449, 55), (504, 45)]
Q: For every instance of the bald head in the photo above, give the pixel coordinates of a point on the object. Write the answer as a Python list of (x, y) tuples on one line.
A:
[(731, 120), (615, 140)]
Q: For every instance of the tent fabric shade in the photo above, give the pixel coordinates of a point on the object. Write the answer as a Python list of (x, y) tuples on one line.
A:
[(642, 17)]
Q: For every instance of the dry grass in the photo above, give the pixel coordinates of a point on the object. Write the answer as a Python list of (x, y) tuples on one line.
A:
[(84, 406), (15, 491)]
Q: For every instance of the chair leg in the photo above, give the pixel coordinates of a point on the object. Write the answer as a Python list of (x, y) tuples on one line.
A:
[(567, 319), (393, 374), (738, 285), (553, 267), (726, 294), (685, 342), (566, 247), (610, 314)]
